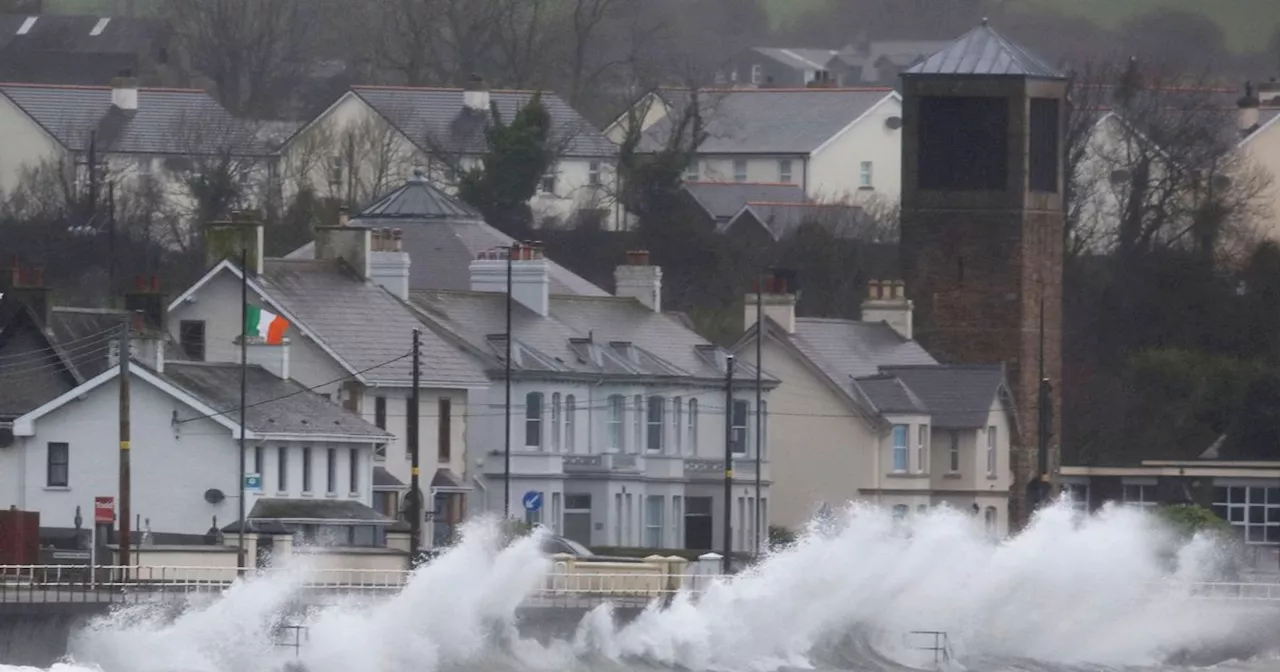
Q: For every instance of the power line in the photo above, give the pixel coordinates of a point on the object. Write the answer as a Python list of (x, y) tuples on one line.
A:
[(67, 347)]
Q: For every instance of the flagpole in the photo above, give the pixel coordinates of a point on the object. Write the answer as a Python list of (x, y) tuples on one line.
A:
[(241, 561)]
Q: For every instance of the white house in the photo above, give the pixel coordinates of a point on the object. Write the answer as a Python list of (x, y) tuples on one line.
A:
[(836, 144), (863, 413), (311, 454), (351, 338), (617, 410), (143, 140), (371, 136)]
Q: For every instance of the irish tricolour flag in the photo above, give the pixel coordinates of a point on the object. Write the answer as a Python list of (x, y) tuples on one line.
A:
[(265, 325)]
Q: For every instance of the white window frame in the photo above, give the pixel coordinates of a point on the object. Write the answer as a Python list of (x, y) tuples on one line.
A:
[(570, 423), (866, 175), (639, 417), (953, 457), (992, 459), (922, 449), (784, 171), (677, 424), (593, 174), (533, 421), (693, 172), (693, 427), (740, 170), (741, 433), (654, 532), (555, 422), (654, 440), (901, 452), (757, 74), (550, 180), (617, 423)]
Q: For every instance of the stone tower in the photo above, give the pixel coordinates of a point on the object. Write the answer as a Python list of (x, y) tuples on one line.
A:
[(982, 222)]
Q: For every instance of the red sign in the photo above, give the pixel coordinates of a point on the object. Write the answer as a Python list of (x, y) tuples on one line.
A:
[(104, 509)]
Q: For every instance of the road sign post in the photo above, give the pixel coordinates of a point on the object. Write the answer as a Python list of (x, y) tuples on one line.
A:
[(532, 501)]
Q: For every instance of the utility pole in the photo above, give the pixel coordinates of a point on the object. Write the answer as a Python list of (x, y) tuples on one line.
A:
[(123, 543), (506, 362), (111, 238), (759, 403), (241, 560), (411, 426), (728, 464)]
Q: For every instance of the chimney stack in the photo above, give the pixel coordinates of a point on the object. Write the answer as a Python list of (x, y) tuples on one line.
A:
[(389, 263), (476, 96), (778, 298), (124, 91), (147, 299), (26, 285), (1248, 104), (225, 240), (887, 302), (530, 275), (352, 244), (274, 357), (639, 280)]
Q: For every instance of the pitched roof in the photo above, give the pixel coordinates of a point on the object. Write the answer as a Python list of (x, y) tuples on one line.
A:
[(167, 121), (799, 58), (845, 349), (80, 330), (82, 33), (581, 335), (782, 220), (274, 406), (723, 200), (890, 395), (983, 51), (443, 236), (438, 117), (33, 369), (957, 397), (768, 121), (364, 324)]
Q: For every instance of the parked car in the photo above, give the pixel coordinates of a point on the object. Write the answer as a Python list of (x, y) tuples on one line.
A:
[(552, 545)]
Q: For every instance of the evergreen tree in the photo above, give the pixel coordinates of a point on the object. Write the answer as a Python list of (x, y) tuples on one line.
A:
[(518, 154)]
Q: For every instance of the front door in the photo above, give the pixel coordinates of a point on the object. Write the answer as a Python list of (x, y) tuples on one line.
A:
[(697, 524)]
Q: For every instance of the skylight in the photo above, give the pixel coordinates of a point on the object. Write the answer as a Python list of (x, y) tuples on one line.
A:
[(26, 25), (99, 27)]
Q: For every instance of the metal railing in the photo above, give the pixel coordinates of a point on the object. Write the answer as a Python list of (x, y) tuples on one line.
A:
[(115, 584)]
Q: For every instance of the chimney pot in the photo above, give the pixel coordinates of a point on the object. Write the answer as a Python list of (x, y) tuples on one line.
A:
[(397, 237), (638, 257), (344, 216)]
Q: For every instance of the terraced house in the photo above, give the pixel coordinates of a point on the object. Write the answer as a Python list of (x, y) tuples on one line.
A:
[(618, 409)]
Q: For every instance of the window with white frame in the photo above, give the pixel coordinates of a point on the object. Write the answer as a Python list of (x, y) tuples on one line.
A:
[(555, 422), (900, 511), (692, 171), (653, 506), (533, 420), (58, 465), (739, 170), (922, 449), (865, 175), (1141, 495), (784, 171), (637, 416), (901, 454), (992, 438), (741, 410), (616, 413), (593, 174), (677, 424), (989, 521), (570, 429), (306, 470), (656, 412), (953, 454), (1078, 495), (1254, 510), (757, 74), (693, 427)]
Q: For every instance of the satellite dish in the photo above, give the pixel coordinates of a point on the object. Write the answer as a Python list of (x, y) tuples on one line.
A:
[(6, 437), (893, 123), (214, 496)]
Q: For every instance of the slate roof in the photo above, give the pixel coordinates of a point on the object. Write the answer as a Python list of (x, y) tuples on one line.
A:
[(443, 236), (274, 406), (385, 479), (723, 200), (168, 121), (782, 220), (32, 372), (767, 121), (437, 117), (845, 349), (76, 328), (80, 33), (364, 324), (957, 397), (581, 335), (890, 395), (315, 509), (983, 51)]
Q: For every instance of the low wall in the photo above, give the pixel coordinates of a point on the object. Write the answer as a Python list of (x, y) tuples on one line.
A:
[(652, 577)]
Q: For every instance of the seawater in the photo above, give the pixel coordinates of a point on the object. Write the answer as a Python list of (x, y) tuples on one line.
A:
[(1106, 592)]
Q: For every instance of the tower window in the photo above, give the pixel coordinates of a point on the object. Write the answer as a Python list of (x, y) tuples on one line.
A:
[(1043, 146), (963, 143)]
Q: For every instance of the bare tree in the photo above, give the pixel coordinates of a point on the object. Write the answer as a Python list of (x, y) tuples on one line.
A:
[(436, 42), (254, 51)]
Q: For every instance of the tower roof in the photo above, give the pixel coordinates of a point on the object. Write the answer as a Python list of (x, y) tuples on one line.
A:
[(983, 51), (418, 199)]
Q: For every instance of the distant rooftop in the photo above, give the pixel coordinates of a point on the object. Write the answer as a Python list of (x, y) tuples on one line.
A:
[(983, 51)]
